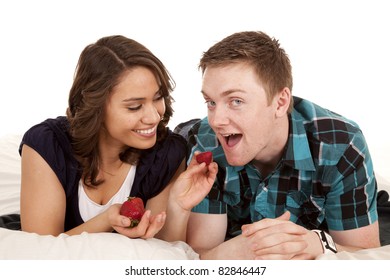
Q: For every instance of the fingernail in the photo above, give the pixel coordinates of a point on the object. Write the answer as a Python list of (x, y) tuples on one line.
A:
[(125, 222), (161, 218)]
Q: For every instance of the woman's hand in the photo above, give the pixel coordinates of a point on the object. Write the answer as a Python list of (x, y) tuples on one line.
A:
[(148, 227), (193, 184)]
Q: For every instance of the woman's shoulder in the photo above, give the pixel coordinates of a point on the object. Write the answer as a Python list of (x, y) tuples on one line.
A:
[(174, 139), (158, 165), (172, 148), (46, 134)]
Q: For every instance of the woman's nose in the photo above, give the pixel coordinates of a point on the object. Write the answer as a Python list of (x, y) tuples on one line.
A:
[(151, 115)]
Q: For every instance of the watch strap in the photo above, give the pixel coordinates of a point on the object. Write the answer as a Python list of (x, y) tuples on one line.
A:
[(328, 245)]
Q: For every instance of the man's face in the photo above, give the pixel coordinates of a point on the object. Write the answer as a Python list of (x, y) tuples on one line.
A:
[(239, 112)]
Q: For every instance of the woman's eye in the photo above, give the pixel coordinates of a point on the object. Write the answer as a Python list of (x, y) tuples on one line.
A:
[(158, 97), (135, 108)]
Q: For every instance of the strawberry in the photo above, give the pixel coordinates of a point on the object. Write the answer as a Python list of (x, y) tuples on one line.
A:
[(133, 208), (206, 157)]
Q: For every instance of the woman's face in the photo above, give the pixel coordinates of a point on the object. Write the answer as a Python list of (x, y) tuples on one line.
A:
[(133, 110)]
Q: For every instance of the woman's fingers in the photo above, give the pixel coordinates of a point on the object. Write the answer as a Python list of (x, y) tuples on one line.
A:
[(148, 227), (156, 224)]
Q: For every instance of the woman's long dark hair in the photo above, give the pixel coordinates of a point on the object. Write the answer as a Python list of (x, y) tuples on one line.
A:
[(98, 71)]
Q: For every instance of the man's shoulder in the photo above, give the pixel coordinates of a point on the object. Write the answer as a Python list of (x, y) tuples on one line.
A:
[(185, 128), (323, 124), (195, 127)]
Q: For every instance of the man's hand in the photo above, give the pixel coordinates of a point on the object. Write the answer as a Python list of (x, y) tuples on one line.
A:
[(277, 239)]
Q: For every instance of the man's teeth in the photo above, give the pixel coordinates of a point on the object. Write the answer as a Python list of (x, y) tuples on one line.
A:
[(145, 131), (227, 135)]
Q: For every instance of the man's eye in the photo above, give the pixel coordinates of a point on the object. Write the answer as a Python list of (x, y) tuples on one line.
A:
[(236, 102), (210, 104)]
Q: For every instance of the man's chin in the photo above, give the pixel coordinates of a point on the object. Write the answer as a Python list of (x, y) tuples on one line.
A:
[(236, 161)]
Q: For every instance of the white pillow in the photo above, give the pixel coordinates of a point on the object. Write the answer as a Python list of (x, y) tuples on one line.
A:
[(380, 253), (383, 184), (9, 174), (17, 245)]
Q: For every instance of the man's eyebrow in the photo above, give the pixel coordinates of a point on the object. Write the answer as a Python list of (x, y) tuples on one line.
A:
[(225, 93)]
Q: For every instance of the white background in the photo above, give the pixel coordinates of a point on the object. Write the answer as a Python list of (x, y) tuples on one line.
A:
[(339, 51)]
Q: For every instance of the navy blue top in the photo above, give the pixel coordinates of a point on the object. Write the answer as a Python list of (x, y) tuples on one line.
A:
[(156, 167)]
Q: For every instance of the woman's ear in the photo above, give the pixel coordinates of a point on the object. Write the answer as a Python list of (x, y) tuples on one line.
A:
[(283, 102)]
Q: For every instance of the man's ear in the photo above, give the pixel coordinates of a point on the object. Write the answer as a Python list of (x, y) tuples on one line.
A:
[(283, 102)]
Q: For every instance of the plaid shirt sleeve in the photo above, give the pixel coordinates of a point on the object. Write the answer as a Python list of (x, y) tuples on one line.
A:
[(351, 202), (341, 183)]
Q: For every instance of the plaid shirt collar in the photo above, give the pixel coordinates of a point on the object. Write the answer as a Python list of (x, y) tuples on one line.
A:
[(302, 158)]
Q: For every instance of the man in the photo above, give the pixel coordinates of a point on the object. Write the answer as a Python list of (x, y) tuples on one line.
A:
[(294, 180)]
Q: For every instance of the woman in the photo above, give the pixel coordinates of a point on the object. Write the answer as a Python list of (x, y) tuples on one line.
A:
[(112, 144)]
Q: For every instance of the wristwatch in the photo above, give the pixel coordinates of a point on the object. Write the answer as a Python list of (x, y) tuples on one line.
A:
[(328, 246)]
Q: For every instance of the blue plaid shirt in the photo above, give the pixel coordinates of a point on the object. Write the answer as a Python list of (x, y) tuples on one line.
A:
[(325, 178)]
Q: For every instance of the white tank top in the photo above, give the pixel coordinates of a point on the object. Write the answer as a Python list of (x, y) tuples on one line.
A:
[(89, 208)]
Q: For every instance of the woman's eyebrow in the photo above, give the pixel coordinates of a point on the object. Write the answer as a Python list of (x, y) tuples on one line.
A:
[(133, 99)]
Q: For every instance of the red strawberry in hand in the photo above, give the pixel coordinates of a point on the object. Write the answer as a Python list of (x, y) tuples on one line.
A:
[(134, 209), (206, 157)]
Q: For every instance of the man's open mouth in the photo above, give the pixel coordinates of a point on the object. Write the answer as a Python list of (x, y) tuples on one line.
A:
[(232, 139)]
